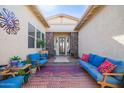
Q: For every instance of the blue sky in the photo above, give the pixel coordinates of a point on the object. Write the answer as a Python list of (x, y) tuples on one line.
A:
[(73, 10)]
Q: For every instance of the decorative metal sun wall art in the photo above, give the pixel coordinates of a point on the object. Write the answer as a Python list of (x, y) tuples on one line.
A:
[(9, 22)]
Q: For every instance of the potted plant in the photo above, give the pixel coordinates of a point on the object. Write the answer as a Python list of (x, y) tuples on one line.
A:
[(14, 61), (22, 73), (42, 43), (44, 53)]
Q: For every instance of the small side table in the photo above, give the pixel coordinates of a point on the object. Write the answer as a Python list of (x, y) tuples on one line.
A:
[(8, 73), (27, 66)]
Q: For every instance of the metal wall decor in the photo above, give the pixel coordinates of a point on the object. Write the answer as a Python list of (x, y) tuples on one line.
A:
[(9, 22)]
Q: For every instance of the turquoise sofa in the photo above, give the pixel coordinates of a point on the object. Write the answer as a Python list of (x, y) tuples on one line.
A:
[(37, 60), (44, 56), (91, 67), (14, 82)]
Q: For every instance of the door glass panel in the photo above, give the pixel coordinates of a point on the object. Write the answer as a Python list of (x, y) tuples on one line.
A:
[(61, 45)]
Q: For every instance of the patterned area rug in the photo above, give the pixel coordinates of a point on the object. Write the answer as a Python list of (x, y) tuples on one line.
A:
[(57, 75)]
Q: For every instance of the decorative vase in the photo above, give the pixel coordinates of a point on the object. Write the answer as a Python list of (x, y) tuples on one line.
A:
[(14, 63)]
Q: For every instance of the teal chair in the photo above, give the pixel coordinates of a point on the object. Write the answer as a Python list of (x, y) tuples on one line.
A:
[(37, 60), (14, 82)]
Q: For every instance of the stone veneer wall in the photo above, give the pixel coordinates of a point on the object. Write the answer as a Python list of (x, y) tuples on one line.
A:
[(50, 43), (74, 43)]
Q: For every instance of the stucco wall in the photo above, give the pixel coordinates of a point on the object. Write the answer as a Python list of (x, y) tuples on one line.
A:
[(63, 24), (11, 45), (104, 33), (60, 20)]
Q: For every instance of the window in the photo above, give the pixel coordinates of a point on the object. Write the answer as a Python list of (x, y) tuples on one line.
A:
[(43, 36), (38, 37), (31, 36)]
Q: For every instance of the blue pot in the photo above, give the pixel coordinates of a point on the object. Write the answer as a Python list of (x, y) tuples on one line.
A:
[(14, 63)]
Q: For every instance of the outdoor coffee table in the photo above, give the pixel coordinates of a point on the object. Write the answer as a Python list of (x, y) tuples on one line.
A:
[(13, 70), (27, 71), (26, 68), (8, 73)]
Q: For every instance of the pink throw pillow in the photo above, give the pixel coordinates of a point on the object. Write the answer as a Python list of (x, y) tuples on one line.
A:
[(106, 67), (85, 57)]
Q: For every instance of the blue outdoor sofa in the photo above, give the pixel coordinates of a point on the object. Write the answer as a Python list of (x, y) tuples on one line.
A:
[(114, 79), (14, 82), (37, 59)]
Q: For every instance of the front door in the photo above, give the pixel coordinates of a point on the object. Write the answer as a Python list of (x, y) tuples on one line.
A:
[(61, 45)]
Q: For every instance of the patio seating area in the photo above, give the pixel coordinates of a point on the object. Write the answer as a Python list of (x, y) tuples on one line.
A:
[(38, 73), (100, 68), (75, 47), (15, 74)]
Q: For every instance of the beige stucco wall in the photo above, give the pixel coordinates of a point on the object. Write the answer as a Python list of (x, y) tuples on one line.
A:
[(104, 33), (60, 20), (63, 24), (11, 45)]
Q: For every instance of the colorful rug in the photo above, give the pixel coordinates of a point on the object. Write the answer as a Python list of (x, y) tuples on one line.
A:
[(57, 75)]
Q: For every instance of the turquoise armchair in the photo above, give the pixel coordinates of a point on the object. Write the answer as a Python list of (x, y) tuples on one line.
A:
[(37, 60), (14, 82)]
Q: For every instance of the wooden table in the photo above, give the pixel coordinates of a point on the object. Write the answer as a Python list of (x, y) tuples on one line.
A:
[(8, 73), (27, 66), (13, 70)]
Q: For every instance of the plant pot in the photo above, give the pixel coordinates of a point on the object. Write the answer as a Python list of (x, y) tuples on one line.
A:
[(33, 70), (14, 63)]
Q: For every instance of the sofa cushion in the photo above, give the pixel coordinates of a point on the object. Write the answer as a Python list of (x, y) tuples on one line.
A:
[(119, 68), (44, 56), (106, 67), (35, 56), (113, 80), (41, 62), (92, 70), (95, 73), (97, 60), (86, 65), (84, 57), (91, 58)]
